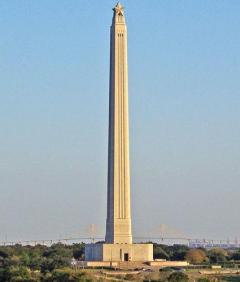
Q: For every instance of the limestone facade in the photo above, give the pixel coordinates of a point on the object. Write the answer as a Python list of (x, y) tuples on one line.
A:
[(118, 241), (118, 225), (119, 252)]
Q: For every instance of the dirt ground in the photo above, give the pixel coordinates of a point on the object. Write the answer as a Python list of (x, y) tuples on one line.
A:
[(156, 275)]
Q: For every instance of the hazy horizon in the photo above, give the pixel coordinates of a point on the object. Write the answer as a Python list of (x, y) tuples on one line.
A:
[(184, 70)]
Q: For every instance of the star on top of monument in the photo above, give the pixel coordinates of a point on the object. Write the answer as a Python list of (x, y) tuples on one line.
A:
[(118, 9)]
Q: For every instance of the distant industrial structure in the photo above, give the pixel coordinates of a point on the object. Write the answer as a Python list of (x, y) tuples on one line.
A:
[(209, 244)]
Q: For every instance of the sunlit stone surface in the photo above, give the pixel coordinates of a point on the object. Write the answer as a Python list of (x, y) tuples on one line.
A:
[(118, 242)]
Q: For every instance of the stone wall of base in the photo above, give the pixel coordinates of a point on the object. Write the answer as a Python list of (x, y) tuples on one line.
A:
[(119, 252), (168, 263), (93, 252), (98, 264)]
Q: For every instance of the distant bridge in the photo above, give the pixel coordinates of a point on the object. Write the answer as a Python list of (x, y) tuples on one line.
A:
[(191, 242), (163, 234)]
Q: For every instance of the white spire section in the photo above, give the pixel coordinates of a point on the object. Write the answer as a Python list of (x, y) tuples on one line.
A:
[(118, 230)]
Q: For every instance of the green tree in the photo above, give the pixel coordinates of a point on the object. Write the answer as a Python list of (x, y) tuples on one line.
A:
[(179, 252), (236, 255), (56, 256), (36, 262), (175, 252), (217, 255), (3, 253), (55, 262), (78, 250), (5, 274), (159, 252), (19, 273), (24, 259), (58, 250)]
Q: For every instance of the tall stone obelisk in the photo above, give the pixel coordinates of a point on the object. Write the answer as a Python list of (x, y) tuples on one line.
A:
[(118, 244), (118, 227)]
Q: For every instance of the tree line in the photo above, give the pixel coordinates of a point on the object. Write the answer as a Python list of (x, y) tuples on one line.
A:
[(53, 263), (196, 256)]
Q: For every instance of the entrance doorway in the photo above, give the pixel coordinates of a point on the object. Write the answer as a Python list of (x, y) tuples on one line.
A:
[(126, 257)]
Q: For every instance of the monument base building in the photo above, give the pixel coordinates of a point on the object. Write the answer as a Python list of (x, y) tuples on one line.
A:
[(119, 252), (118, 244)]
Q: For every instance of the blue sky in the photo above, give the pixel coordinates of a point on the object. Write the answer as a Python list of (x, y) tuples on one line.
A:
[(184, 91)]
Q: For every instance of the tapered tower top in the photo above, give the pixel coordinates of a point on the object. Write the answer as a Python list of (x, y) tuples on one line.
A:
[(118, 15)]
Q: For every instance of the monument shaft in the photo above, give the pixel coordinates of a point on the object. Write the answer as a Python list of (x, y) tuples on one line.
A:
[(118, 242), (118, 227)]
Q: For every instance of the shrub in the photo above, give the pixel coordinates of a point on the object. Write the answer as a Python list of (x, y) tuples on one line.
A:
[(203, 280), (196, 256), (178, 277), (129, 277)]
